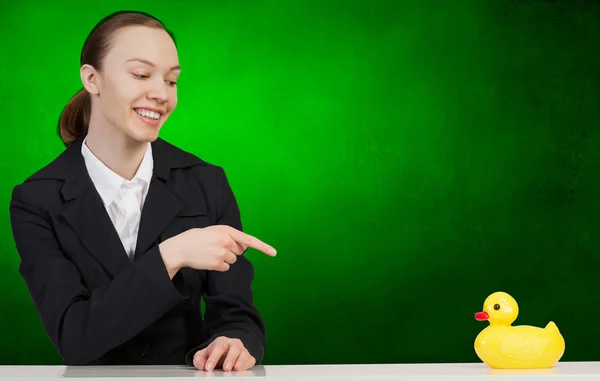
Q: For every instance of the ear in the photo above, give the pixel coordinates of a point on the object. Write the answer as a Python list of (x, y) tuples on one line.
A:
[(89, 77)]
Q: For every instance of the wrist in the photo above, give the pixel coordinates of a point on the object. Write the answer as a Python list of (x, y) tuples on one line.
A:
[(171, 257)]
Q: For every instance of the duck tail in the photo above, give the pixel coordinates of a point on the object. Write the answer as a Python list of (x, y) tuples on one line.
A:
[(552, 327)]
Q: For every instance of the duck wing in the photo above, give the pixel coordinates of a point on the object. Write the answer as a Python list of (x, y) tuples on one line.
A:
[(524, 343)]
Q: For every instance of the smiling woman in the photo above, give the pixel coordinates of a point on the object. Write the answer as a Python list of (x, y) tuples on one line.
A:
[(123, 234), (136, 69)]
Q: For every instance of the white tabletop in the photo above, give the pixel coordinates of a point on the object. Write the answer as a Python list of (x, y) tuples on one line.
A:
[(421, 372)]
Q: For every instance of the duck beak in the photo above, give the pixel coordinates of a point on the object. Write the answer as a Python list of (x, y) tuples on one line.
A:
[(482, 316)]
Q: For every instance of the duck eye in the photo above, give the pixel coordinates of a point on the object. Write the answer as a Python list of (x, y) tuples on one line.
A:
[(496, 307)]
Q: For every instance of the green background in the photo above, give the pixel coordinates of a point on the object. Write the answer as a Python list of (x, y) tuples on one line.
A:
[(405, 158)]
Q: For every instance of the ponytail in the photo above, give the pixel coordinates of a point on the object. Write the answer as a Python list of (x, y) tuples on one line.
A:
[(75, 118)]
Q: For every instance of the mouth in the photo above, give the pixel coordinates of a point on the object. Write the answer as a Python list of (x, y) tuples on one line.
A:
[(151, 117), (482, 316)]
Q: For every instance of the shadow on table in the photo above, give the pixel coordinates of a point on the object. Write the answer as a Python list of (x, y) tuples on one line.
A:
[(521, 372), (150, 371)]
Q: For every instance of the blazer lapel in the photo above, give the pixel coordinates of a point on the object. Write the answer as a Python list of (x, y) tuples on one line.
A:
[(87, 216), (160, 207)]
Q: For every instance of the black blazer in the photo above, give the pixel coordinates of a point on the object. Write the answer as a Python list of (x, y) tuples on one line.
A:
[(96, 305)]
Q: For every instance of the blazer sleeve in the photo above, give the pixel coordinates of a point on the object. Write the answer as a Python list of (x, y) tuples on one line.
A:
[(82, 324), (228, 295)]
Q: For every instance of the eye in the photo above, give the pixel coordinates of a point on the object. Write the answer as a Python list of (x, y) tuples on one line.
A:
[(496, 307), (172, 83), (140, 76)]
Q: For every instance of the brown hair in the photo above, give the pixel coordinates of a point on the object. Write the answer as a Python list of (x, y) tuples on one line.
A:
[(75, 117)]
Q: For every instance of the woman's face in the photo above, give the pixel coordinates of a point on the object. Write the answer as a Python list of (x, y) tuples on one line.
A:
[(136, 89)]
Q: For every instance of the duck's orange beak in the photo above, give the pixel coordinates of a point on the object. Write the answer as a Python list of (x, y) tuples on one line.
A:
[(482, 316)]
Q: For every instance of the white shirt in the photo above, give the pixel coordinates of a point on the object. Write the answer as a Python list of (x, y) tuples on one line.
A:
[(123, 199)]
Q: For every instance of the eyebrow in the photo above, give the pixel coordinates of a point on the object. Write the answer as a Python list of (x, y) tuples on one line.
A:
[(177, 67)]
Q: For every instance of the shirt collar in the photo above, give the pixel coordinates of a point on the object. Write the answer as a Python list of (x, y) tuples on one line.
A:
[(108, 182)]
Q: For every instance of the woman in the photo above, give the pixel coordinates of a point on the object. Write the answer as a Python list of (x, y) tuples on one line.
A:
[(123, 234)]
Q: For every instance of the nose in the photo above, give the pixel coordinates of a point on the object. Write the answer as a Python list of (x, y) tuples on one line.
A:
[(158, 92)]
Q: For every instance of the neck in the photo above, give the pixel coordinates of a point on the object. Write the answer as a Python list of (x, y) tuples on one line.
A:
[(122, 154), (502, 322)]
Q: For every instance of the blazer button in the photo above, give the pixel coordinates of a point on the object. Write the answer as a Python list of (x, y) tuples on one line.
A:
[(145, 350)]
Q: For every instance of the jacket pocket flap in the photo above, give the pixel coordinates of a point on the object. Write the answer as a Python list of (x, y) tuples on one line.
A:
[(193, 211)]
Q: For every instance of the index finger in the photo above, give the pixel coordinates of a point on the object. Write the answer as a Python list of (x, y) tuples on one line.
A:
[(200, 358), (250, 241)]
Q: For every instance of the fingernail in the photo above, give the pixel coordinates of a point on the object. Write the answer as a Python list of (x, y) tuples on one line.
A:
[(273, 251), (209, 366), (228, 366)]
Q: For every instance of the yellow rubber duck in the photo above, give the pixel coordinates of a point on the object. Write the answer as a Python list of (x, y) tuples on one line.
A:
[(502, 346)]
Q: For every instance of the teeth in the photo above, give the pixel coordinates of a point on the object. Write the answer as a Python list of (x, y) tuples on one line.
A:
[(148, 114)]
